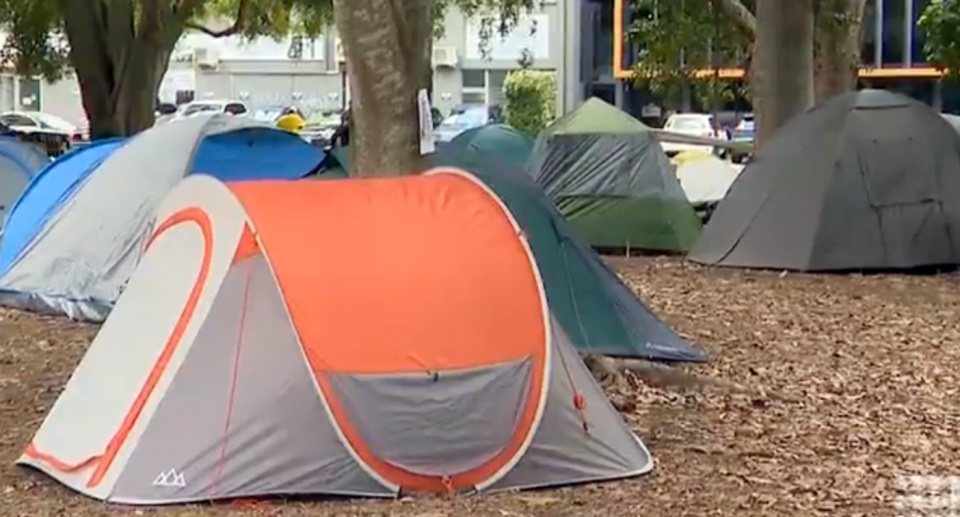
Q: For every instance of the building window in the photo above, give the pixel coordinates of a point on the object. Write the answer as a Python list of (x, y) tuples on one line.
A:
[(603, 40), (495, 80), (474, 79), (894, 43), (868, 53), (918, 57), (474, 97), (483, 86)]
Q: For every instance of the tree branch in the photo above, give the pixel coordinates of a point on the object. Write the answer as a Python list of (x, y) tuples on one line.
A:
[(739, 14), (229, 31), (189, 7)]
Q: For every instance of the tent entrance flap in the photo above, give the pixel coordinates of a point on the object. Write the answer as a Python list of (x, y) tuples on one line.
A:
[(464, 432)]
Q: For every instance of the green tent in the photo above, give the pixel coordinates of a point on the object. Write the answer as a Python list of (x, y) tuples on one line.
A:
[(596, 310), (610, 178), (500, 140)]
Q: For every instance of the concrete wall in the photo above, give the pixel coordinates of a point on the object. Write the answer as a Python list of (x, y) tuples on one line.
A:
[(481, 69)]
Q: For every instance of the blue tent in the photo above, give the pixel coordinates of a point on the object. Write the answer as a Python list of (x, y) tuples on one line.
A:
[(75, 234), (43, 195)]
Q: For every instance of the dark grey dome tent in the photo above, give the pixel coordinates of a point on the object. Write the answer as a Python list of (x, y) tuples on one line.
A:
[(868, 180)]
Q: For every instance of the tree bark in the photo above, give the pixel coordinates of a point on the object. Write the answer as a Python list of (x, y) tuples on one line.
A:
[(119, 65), (838, 38), (387, 45), (784, 55)]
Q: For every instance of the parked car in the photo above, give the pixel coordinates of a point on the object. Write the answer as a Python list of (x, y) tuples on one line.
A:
[(693, 124), (228, 107), (268, 114), (53, 134), (320, 128), (742, 137), (467, 117)]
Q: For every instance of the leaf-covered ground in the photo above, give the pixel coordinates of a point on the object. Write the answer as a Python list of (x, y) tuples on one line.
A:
[(830, 387)]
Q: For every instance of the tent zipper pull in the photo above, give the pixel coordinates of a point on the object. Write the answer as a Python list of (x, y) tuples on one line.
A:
[(580, 403)]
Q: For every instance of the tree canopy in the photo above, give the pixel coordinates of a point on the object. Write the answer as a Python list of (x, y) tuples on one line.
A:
[(940, 22), (120, 49), (679, 39)]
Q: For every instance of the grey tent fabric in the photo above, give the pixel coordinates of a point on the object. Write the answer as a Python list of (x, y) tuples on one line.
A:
[(13, 181), (18, 163), (84, 252), (868, 180), (610, 178), (29, 157)]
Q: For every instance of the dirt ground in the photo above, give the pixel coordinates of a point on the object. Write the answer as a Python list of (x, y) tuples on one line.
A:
[(843, 383)]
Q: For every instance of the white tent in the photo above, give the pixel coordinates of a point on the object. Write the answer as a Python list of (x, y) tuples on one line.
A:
[(705, 178)]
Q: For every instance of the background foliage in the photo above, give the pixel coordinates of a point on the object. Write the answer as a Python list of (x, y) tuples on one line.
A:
[(940, 22), (675, 40), (36, 45), (531, 99)]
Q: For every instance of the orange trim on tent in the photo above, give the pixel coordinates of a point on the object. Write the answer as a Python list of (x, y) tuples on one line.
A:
[(247, 247), (197, 216), (353, 268), (62, 466)]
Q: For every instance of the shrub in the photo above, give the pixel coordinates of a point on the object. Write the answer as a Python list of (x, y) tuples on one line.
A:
[(531, 99)]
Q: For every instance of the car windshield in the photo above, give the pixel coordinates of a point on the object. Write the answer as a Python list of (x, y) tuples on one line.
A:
[(52, 122), (193, 109), (687, 124), (267, 114), (465, 118)]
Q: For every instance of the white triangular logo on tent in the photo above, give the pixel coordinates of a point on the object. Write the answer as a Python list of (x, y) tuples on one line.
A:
[(171, 478)]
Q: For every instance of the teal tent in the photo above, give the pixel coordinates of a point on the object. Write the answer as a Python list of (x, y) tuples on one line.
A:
[(500, 140)]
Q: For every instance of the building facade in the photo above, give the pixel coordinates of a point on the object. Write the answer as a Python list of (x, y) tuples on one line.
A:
[(268, 74), (892, 55), (468, 69)]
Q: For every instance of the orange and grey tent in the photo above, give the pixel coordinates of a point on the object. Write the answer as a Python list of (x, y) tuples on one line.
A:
[(354, 337)]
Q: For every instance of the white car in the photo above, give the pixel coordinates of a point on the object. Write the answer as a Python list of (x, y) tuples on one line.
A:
[(228, 107), (39, 122), (693, 124)]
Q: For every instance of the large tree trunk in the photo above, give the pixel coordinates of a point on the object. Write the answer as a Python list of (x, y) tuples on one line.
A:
[(838, 37), (119, 66), (387, 46), (785, 59)]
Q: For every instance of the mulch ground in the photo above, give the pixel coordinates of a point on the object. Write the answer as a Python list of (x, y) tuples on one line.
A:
[(851, 381)]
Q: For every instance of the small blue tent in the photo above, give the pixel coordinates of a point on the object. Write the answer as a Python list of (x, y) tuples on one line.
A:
[(18, 163), (76, 233)]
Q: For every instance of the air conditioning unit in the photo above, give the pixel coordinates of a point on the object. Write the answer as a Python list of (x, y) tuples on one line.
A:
[(445, 57), (205, 57)]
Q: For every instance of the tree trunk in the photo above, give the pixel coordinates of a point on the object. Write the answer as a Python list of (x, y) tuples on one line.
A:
[(838, 37), (119, 70), (785, 60), (387, 46)]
